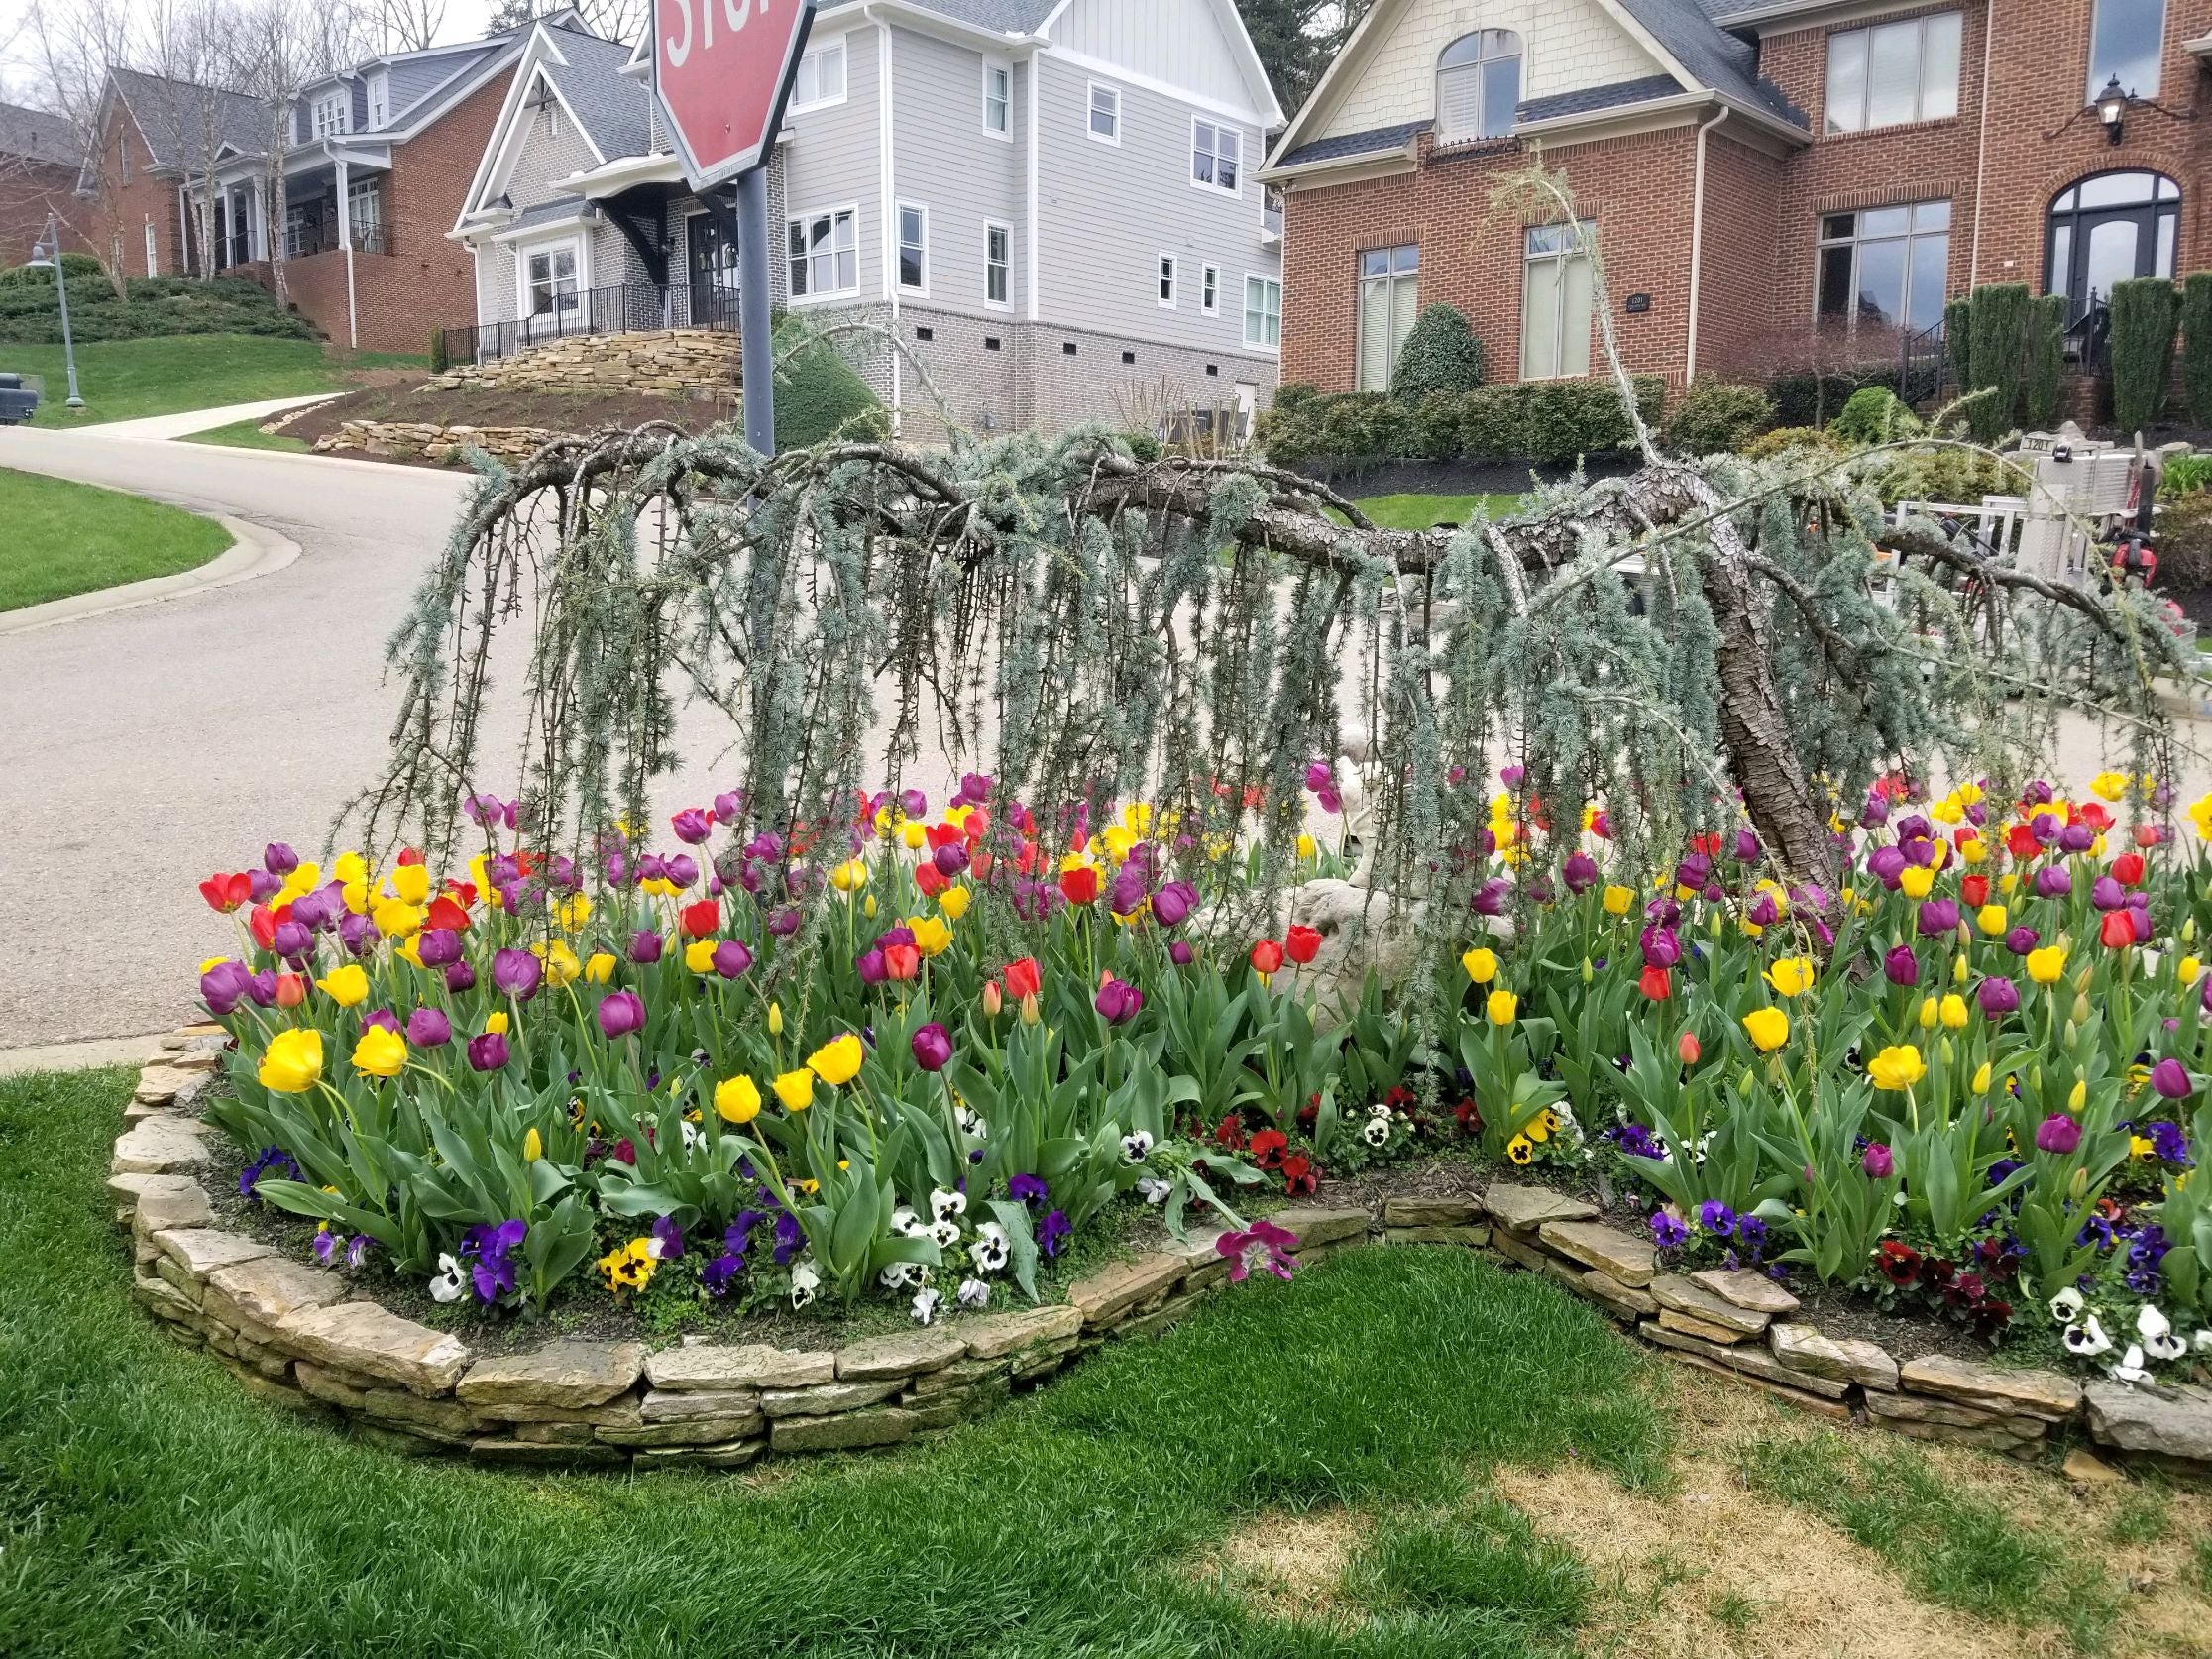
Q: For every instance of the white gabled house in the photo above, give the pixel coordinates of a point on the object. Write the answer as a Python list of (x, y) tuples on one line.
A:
[(1051, 204)]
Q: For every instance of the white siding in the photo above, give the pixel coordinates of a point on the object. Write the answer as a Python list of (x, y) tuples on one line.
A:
[(834, 157), (1178, 42), (944, 160), (1566, 45)]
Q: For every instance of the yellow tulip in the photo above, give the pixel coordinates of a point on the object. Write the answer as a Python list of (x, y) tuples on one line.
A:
[(1617, 899), (837, 1061), (561, 965), (1981, 1080), (2188, 970), (914, 837), (574, 912), (412, 883), (1502, 1007), (1916, 880), (796, 1089), (2046, 965), (497, 1020), (350, 866), (738, 1099), (931, 937), (379, 1052), (1927, 1013), (1120, 842), (698, 955), (2078, 1097), (1954, 1012), (534, 1145), (850, 876), (305, 879), (1897, 1069), (1974, 852), (2109, 786), (1480, 966), (954, 901), (397, 919), (1768, 1028), (356, 896), (598, 967), (1791, 975), (347, 986), (1992, 919), (293, 1061), (1305, 845)]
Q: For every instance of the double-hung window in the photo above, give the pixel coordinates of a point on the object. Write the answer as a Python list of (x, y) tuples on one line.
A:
[(2125, 40), (1885, 267), (1389, 295), (1168, 280), (998, 263), (330, 114), (1105, 113), (998, 98), (1892, 73), (549, 284), (821, 77), (824, 254), (364, 214), (1215, 152), (1263, 313), (914, 248), (1209, 289), (1555, 303)]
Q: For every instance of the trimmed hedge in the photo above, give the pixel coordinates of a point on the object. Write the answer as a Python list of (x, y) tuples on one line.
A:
[(819, 396), (1550, 422), (1441, 353), (1714, 417), (2196, 346), (1816, 397), (1997, 337), (2047, 361), (156, 306), (2144, 310)]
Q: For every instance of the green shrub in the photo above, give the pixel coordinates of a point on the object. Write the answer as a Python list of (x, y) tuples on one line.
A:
[(1814, 397), (2047, 361), (1142, 446), (1441, 353), (1997, 334), (1294, 394), (1554, 421), (1437, 423), (1714, 417), (1549, 421), (438, 364), (2185, 542), (1873, 416), (2185, 475), (819, 396), (2144, 310), (1783, 439), (1958, 337), (1958, 475), (2196, 346), (83, 268), (155, 307)]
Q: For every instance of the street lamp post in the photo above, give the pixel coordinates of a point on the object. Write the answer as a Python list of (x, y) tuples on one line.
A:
[(50, 254)]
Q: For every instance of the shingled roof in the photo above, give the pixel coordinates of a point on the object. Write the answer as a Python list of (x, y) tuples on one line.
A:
[(170, 116), (37, 134)]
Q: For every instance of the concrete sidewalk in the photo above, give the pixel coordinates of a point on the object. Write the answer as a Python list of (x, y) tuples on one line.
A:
[(160, 427)]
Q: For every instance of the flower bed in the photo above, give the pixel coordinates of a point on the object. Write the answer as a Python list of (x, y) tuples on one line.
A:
[(915, 1059)]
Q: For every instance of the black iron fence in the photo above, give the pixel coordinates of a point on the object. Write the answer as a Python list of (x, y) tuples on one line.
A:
[(2089, 336), (621, 308), (1924, 365), (312, 233)]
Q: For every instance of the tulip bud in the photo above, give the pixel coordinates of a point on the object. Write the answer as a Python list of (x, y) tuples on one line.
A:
[(2080, 1016), (1686, 1046), (1946, 1050), (2081, 979), (1589, 973), (1928, 1012), (2072, 1032), (993, 1001), (2188, 931), (868, 908), (2079, 1188), (1959, 971), (1030, 1014), (533, 1146), (775, 1019)]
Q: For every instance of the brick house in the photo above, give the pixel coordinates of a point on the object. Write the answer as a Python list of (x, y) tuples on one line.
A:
[(153, 137), (1771, 182), (37, 180)]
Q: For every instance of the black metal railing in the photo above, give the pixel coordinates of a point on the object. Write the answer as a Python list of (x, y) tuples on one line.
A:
[(1922, 365), (312, 235), (623, 308), (2088, 337)]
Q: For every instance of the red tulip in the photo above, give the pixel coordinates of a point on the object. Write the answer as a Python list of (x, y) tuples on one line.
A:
[(1023, 978), (2127, 869), (901, 961), (1975, 890), (702, 918), (446, 913), (1687, 1046), (2020, 842), (1655, 984), (227, 892), (977, 823), (2116, 931), (2093, 813), (2149, 834), (410, 855), (926, 878), (1302, 945), (260, 922), (292, 990), (943, 835), (1266, 957), (1079, 884)]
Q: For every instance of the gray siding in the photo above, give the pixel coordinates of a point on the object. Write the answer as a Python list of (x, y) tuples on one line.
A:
[(409, 81), (1109, 211), (947, 162), (833, 159)]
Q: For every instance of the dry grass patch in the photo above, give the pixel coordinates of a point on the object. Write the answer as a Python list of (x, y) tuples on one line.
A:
[(1285, 1565)]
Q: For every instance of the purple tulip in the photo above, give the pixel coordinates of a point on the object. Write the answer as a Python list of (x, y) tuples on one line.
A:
[(1747, 847), (2076, 837), (487, 1053), (291, 939), (1174, 902), (517, 974), (1899, 966), (784, 923), (729, 806), (355, 933), (1919, 853), (1763, 910), (645, 947), (2054, 881), (1181, 954), (681, 869), (692, 826), (263, 886), (1938, 917), (313, 911), (278, 859), (2172, 1079), (1885, 864), (1875, 813), (460, 977), (1998, 996), (932, 1048), (2107, 894), (262, 987), (732, 959), (382, 1017), (428, 1027), (2059, 1133), (1117, 1002), (438, 947), (1694, 871), (2020, 941), (1318, 776), (2205, 997), (871, 969), (224, 984), (1878, 1161), (1661, 948), (1513, 777), (621, 1013), (1490, 898), (1580, 873)]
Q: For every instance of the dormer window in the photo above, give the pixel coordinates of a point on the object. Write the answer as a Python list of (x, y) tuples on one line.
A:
[(1478, 86), (330, 114)]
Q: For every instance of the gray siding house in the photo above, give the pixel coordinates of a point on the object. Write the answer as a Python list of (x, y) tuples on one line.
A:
[(1050, 204)]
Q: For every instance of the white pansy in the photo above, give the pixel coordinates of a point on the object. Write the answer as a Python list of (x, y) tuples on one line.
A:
[(2158, 1339), (990, 1249), (1152, 1189), (945, 1205), (945, 1232), (1375, 1132), (1137, 1145), (925, 1306), (970, 1122), (806, 1280), (447, 1283), (2066, 1306), (903, 1222), (692, 1137), (2085, 1339), (2131, 1367), (897, 1275), (1380, 1109), (974, 1294)]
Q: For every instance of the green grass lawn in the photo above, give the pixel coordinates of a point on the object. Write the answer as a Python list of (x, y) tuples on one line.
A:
[(124, 380), (150, 1505), (247, 434), (1421, 512), (73, 539)]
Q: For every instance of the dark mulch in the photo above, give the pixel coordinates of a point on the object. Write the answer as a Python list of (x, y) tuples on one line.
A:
[(402, 400)]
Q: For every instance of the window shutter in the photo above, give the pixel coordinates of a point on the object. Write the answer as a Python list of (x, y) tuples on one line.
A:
[(1458, 104)]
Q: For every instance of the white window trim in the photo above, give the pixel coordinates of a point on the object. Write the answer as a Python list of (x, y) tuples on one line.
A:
[(899, 211), (1275, 350), (1090, 95), (522, 252), (153, 251), (842, 42), (1579, 247), (1209, 276), (1190, 169), (983, 114), (337, 129), (1867, 30), (829, 295), (1006, 304), (1171, 265)]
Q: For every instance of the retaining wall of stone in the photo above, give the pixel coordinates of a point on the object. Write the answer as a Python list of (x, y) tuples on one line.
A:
[(298, 1335), (427, 440), (673, 362)]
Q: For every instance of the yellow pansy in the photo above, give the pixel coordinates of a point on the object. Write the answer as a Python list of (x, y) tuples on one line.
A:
[(837, 1061), (796, 1089), (1768, 1028), (1791, 975), (954, 901), (1519, 1151), (738, 1099), (1502, 1007), (1481, 964), (347, 986), (292, 1061), (379, 1052), (1897, 1069)]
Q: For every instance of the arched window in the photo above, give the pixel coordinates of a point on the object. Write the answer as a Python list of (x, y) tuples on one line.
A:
[(1478, 86), (2106, 229)]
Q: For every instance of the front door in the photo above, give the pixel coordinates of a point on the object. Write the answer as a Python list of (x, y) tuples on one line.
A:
[(712, 239), (2111, 229)]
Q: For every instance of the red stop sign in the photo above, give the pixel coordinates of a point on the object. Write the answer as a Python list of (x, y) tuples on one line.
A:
[(720, 71)]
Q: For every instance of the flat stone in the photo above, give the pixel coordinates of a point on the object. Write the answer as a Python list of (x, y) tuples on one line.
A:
[(1621, 1298), (1467, 1238), (2033, 1394), (1803, 1348), (163, 1298), (883, 1427), (1927, 1408), (363, 1337), (960, 1374), (2175, 1422), (1314, 1225), (712, 1369), (1753, 1292), (1688, 1324), (1527, 1208), (2085, 1468), (1750, 1360), (906, 1354), (258, 1294), (1833, 1409), (1629, 1260), (199, 1251), (1113, 1291), (1535, 1259), (734, 1454), (699, 1431), (568, 1373), (158, 1146), (616, 1413), (825, 1397), (161, 1084), (1995, 1437), (178, 1275), (194, 1060), (1686, 1295), (526, 1451), (1038, 1361), (1430, 1212), (179, 1201), (554, 1434), (444, 1420), (1000, 1335), (126, 1189), (689, 1407)]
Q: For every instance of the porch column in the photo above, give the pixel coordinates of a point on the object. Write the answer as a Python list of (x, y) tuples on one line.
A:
[(345, 232)]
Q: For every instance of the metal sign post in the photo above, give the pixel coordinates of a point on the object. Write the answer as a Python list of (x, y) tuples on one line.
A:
[(721, 74)]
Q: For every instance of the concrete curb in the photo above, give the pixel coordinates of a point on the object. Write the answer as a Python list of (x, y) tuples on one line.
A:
[(253, 551)]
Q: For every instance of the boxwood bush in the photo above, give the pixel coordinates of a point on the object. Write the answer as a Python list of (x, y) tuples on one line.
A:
[(1713, 416), (1552, 423), (1441, 353)]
